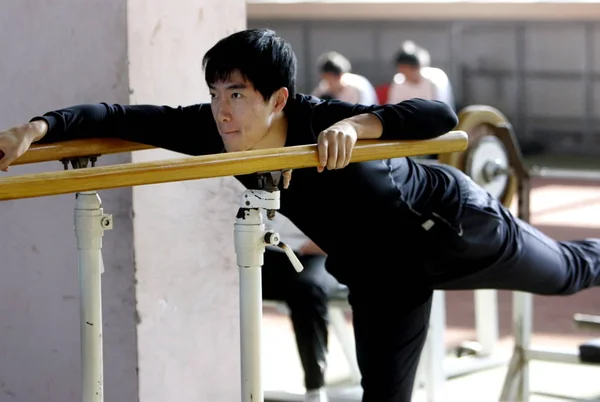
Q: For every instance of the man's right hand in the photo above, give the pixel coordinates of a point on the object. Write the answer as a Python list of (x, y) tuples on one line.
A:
[(15, 141)]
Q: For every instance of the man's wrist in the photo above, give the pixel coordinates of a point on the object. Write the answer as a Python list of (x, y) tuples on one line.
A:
[(367, 126), (38, 129)]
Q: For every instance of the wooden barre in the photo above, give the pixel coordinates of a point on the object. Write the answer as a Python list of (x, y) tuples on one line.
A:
[(77, 148), (207, 166)]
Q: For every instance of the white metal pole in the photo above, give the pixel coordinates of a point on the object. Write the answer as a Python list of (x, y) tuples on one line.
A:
[(523, 304), (518, 370), (346, 338), (90, 223), (250, 239), (523, 327), (436, 348), (486, 320), (251, 328), (249, 233)]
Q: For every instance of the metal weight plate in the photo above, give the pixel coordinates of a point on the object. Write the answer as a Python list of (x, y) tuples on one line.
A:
[(487, 164), (486, 159)]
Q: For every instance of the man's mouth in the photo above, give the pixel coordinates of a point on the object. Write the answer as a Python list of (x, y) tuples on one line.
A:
[(230, 132)]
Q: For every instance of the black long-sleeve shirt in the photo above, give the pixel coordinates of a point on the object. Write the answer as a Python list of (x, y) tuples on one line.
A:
[(366, 209)]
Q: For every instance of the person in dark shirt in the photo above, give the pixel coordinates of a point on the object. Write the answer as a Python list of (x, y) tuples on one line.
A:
[(393, 230), (307, 294)]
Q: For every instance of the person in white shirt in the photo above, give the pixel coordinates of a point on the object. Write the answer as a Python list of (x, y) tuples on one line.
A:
[(416, 79), (338, 82)]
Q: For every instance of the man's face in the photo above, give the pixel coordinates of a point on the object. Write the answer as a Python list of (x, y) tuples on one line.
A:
[(242, 115), (410, 72), (334, 81)]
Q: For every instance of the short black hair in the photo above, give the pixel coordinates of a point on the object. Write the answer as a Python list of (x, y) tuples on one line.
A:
[(259, 55), (412, 55), (333, 62)]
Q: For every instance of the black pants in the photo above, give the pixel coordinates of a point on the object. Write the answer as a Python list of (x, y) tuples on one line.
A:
[(306, 294), (485, 247)]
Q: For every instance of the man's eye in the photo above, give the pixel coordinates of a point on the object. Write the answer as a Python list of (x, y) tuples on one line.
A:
[(212, 96), (236, 95)]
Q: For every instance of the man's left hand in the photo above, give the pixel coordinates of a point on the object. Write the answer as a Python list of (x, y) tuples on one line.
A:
[(287, 177), (335, 146), (310, 248)]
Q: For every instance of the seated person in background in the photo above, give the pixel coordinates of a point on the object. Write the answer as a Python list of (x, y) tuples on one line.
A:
[(415, 79), (306, 294), (339, 83)]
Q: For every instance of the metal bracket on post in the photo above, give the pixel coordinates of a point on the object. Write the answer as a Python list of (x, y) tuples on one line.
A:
[(79, 163), (90, 224), (269, 181)]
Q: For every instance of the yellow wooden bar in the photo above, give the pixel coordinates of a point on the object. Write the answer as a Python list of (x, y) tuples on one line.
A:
[(207, 166), (77, 148)]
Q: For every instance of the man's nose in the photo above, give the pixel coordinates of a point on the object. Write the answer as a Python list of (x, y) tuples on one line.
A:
[(223, 111)]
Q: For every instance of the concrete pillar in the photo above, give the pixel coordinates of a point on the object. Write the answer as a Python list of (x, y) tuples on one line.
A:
[(170, 302), (187, 294)]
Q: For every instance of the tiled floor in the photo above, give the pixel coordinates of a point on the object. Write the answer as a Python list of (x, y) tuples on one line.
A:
[(565, 210)]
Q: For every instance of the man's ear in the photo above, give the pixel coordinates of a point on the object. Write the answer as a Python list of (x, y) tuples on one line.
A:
[(279, 99)]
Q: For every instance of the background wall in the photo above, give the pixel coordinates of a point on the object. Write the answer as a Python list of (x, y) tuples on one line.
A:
[(544, 75), (53, 55)]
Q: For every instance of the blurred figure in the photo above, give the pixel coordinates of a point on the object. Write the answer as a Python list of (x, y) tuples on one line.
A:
[(337, 81), (416, 79), (306, 295)]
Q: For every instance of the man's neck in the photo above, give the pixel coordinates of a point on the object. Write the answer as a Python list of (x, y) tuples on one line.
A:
[(277, 134), (417, 79)]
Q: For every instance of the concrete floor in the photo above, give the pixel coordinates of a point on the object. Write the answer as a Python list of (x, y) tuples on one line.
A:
[(550, 382)]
